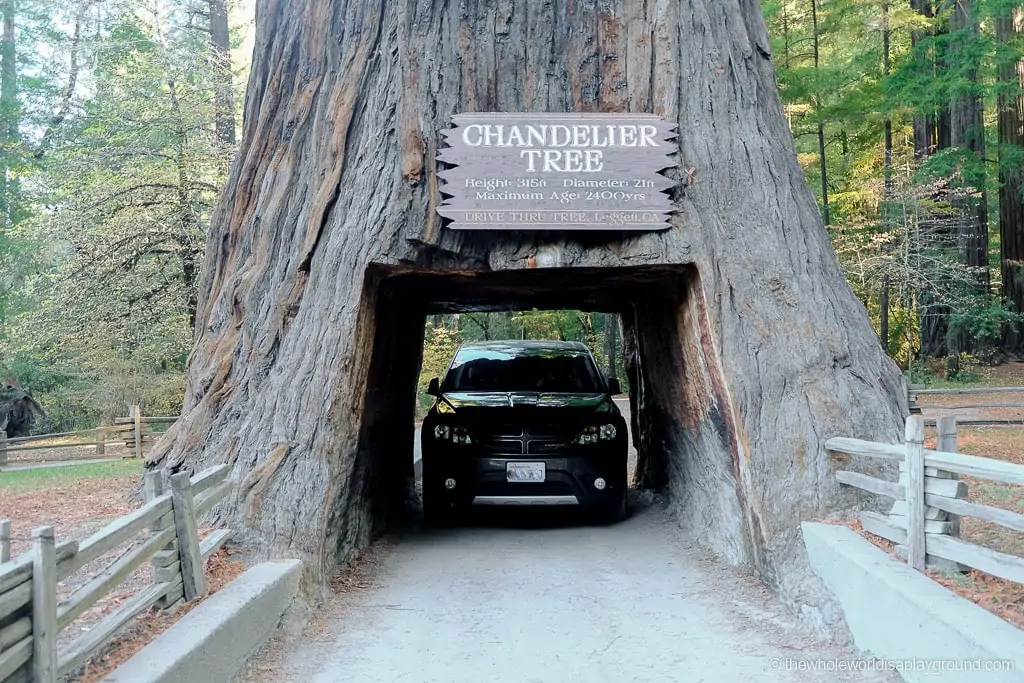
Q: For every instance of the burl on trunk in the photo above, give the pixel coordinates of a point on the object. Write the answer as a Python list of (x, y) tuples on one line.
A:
[(745, 347)]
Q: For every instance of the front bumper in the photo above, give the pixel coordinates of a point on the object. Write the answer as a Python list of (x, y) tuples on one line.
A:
[(483, 480)]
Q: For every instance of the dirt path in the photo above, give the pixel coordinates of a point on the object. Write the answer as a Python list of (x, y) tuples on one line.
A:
[(570, 603)]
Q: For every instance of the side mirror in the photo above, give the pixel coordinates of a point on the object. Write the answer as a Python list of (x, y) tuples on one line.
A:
[(434, 388), (614, 388)]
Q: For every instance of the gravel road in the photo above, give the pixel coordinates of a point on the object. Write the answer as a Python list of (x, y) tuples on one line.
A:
[(503, 600)]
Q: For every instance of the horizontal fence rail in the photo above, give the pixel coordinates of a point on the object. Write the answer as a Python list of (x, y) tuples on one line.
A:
[(930, 500), (135, 431), (164, 534), (915, 391)]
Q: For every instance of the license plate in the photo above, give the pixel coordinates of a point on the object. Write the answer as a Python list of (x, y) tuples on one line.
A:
[(525, 471)]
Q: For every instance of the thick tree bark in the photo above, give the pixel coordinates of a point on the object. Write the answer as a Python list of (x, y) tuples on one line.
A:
[(1011, 206), (327, 252)]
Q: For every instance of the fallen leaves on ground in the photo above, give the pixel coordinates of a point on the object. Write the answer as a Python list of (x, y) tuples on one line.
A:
[(1003, 598), (74, 509), (360, 572), (220, 570)]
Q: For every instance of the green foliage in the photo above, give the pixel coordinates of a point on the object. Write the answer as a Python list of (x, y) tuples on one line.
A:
[(118, 168), (898, 226), (439, 346)]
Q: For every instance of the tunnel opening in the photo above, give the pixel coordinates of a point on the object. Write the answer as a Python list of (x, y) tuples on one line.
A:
[(682, 422)]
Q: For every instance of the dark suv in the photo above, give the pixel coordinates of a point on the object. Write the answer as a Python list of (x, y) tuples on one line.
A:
[(525, 423)]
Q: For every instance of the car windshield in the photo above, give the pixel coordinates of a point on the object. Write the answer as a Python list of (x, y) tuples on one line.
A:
[(544, 369)]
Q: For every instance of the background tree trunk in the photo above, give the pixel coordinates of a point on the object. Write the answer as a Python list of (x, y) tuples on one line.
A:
[(931, 134), (611, 344), (883, 303), (826, 210), (304, 370), (11, 111), (220, 59), (967, 130), (1011, 207)]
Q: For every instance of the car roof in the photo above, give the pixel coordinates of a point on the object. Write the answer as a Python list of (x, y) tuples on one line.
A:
[(513, 345)]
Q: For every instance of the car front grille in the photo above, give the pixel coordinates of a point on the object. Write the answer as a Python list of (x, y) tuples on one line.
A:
[(531, 439)]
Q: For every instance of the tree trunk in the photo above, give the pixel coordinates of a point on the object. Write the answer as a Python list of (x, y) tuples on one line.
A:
[(925, 136), (327, 253), (611, 343), (1011, 208), (822, 158), (931, 134), (883, 303), (220, 58), (10, 109), (967, 130)]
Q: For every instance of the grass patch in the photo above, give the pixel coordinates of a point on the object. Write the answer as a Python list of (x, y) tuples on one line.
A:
[(24, 480)]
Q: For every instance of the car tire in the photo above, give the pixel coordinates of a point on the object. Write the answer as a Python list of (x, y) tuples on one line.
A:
[(436, 513), (615, 511)]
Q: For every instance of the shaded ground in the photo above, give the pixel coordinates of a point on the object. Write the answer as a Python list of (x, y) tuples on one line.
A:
[(510, 600)]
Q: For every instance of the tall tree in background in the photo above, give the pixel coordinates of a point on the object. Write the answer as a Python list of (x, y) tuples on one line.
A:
[(931, 134), (122, 116), (1009, 24), (931, 121), (10, 111), (884, 305), (819, 113), (611, 343), (223, 86), (967, 134)]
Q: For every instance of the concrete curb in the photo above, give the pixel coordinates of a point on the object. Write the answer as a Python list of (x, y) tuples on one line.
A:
[(925, 631), (213, 641)]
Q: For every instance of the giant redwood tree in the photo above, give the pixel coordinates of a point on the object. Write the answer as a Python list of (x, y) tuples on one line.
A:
[(746, 349)]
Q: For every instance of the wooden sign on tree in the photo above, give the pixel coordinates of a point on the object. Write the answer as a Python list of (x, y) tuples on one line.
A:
[(558, 172)]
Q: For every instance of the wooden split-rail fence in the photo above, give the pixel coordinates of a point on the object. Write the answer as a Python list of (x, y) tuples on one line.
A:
[(136, 432), (930, 499), (915, 391), (164, 532)]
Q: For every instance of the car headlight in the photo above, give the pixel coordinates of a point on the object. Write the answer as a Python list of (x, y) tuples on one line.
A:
[(594, 434), (457, 434)]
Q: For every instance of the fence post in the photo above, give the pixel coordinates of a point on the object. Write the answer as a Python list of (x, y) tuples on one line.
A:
[(914, 436), (5, 540), (3, 447), (44, 606), (101, 441), (947, 443), (137, 421), (192, 581), (166, 557)]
